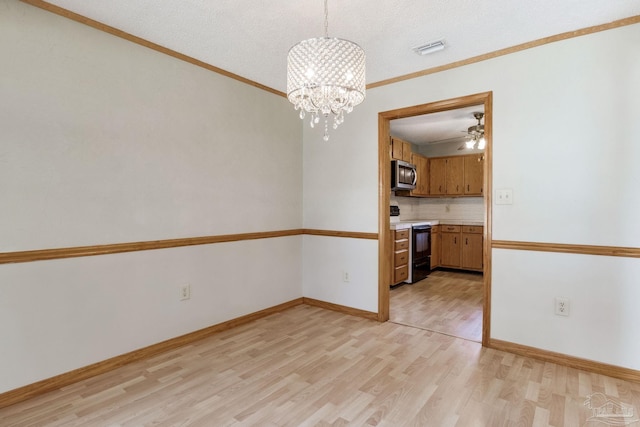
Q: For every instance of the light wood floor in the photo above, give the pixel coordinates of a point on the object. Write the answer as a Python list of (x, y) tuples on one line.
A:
[(449, 302), (312, 367)]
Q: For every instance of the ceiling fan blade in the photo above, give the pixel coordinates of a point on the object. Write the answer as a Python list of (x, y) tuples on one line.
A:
[(442, 141)]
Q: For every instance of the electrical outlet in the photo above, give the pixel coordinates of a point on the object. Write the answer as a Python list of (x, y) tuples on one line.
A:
[(346, 276), (185, 292), (562, 306)]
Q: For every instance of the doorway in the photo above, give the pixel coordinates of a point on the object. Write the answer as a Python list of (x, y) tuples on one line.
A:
[(448, 302), (384, 250)]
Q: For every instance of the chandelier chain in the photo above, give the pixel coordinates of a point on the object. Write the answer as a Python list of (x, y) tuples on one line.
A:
[(326, 18)]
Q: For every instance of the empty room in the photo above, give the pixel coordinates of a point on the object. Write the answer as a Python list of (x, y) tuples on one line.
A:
[(208, 211)]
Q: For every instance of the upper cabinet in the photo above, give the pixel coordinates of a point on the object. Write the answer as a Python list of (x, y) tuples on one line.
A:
[(447, 176), (438, 176), (422, 171), (455, 176), (474, 174), (400, 150), (450, 176)]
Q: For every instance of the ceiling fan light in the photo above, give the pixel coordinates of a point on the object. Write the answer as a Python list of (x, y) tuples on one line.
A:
[(470, 143), (482, 143)]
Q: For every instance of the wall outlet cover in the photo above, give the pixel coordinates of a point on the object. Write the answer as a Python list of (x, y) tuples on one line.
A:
[(562, 306)]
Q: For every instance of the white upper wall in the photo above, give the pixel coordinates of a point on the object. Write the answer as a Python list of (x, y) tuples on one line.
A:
[(565, 140), (102, 146)]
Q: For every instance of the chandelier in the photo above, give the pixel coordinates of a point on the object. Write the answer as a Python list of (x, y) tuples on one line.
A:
[(325, 77)]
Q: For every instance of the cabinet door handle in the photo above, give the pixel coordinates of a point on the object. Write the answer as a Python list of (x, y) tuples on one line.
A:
[(466, 241), (455, 240)]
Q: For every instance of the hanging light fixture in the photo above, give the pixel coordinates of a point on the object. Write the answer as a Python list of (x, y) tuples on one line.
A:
[(476, 134), (325, 77)]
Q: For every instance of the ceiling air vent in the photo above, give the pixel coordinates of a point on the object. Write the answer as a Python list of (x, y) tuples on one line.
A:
[(430, 47)]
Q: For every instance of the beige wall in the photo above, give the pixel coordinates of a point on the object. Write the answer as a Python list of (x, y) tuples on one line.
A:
[(104, 141)]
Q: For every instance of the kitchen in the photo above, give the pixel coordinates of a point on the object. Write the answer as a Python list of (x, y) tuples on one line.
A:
[(437, 218)]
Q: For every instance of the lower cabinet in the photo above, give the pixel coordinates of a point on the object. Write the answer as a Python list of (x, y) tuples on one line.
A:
[(400, 264), (450, 246), (461, 247), (472, 257)]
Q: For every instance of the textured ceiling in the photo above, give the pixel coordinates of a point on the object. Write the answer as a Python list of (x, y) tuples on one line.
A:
[(251, 38), (444, 127)]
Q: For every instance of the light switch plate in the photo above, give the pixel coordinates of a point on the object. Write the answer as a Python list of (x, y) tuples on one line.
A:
[(504, 196)]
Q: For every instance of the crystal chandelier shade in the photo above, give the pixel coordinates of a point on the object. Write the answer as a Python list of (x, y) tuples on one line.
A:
[(325, 77)]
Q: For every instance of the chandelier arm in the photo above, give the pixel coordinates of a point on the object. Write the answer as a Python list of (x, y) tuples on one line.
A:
[(345, 101)]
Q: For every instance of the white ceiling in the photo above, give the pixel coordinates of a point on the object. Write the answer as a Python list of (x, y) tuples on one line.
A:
[(445, 127), (251, 38)]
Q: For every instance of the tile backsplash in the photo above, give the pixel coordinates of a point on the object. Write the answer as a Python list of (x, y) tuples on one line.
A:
[(458, 208)]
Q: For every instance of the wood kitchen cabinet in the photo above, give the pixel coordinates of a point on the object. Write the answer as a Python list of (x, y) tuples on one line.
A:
[(400, 150), (422, 170), (400, 262), (461, 247), (472, 254), (455, 175), (442, 176), (446, 175), (473, 174), (450, 246), (438, 176), (435, 246)]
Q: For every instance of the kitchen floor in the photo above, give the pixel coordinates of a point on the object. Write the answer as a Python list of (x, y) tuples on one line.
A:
[(449, 302)]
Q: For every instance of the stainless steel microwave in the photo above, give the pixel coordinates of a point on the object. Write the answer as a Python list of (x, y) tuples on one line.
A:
[(403, 175)]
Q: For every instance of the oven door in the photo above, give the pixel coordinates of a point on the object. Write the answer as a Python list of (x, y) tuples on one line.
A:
[(420, 252), (420, 271)]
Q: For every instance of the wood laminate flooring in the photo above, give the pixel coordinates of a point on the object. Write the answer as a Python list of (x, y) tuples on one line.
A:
[(448, 302), (308, 366)]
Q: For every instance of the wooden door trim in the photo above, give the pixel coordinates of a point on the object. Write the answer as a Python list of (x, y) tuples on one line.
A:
[(384, 184)]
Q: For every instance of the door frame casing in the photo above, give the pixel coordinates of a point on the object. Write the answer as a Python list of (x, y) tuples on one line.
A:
[(384, 193)]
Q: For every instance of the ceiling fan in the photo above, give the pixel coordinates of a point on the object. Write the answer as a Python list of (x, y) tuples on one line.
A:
[(475, 134)]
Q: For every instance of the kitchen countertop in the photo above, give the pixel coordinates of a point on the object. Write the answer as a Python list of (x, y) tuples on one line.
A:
[(401, 225)]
